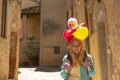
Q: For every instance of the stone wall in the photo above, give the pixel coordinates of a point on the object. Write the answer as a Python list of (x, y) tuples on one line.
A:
[(30, 27), (102, 17), (14, 14), (97, 38), (4, 49), (105, 13), (113, 25), (53, 23)]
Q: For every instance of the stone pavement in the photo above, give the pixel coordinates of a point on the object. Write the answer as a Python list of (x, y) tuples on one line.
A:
[(39, 73)]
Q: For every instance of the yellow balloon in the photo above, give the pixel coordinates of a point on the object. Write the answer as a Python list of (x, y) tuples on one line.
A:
[(81, 33)]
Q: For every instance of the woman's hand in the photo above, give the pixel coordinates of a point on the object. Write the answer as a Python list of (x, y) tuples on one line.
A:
[(67, 66), (87, 63)]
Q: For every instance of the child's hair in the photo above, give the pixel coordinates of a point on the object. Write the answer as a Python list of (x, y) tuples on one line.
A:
[(72, 19)]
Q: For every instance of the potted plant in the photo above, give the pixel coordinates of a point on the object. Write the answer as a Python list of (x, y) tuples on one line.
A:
[(31, 50)]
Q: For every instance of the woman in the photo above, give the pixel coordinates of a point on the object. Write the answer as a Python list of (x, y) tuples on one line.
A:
[(77, 63)]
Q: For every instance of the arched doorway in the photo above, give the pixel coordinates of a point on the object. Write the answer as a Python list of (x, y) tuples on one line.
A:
[(101, 32)]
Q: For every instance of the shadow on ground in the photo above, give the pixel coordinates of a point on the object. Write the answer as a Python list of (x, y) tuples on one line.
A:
[(41, 69), (48, 69)]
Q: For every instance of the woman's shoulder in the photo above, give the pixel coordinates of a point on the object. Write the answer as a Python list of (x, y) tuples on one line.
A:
[(88, 55), (65, 57)]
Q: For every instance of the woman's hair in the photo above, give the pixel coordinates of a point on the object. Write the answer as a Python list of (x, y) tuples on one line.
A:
[(77, 58)]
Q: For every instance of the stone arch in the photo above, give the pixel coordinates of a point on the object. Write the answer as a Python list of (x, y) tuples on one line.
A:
[(98, 38), (101, 32)]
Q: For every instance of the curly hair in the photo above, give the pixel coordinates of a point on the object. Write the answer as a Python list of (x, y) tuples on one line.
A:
[(77, 58)]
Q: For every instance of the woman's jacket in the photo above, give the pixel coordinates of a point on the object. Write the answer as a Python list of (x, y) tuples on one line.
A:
[(84, 73)]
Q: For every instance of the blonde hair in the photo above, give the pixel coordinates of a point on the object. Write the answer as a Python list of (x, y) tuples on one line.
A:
[(77, 58)]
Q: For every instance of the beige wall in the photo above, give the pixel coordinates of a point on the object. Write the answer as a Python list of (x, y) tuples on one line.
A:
[(98, 43), (113, 25), (4, 58), (104, 41), (15, 24), (104, 21), (4, 51), (104, 13), (53, 24), (33, 25), (104, 27), (30, 26), (93, 45), (12, 7)]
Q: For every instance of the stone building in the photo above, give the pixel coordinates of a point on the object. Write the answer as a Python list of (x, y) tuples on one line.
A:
[(102, 17), (53, 23), (9, 38), (47, 26), (30, 26)]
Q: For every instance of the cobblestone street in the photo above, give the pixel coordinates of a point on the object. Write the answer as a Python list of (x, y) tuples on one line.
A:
[(39, 73)]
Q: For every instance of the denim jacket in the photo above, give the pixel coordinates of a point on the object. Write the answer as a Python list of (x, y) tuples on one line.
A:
[(85, 74)]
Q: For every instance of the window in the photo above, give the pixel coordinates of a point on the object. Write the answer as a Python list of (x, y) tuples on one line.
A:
[(56, 50), (3, 18)]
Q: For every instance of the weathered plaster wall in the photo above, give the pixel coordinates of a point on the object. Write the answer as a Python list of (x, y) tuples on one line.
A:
[(113, 24), (4, 51), (30, 26), (109, 12), (14, 14), (53, 14), (94, 9)]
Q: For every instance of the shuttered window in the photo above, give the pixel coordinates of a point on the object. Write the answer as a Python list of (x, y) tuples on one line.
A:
[(3, 18), (56, 50)]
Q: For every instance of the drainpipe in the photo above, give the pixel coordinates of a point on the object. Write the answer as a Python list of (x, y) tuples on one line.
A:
[(24, 26), (72, 8), (68, 8), (41, 37), (86, 20)]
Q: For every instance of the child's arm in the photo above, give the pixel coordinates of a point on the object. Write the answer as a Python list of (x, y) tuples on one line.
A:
[(70, 31)]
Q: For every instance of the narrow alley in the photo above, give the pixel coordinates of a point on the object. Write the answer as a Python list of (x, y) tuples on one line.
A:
[(39, 73), (32, 34)]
